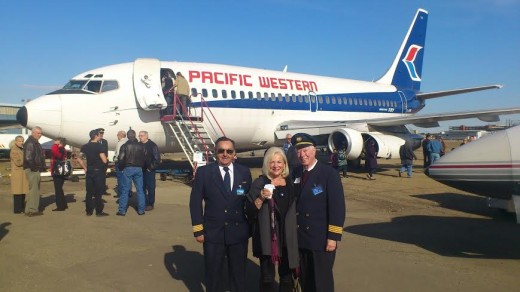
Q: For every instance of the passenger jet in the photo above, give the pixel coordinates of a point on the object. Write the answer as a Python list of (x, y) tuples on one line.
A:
[(255, 107)]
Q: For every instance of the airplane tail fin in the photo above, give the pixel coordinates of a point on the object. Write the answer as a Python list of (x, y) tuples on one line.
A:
[(406, 70)]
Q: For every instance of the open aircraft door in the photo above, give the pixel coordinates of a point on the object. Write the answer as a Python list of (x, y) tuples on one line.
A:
[(147, 84)]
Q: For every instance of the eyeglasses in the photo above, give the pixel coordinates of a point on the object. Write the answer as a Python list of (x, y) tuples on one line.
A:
[(228, 151), (101, 133)]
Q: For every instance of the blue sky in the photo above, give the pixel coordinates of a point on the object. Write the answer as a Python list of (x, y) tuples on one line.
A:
[(468, 43)]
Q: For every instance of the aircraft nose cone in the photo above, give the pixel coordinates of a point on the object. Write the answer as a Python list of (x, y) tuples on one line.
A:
[(44, 112), (21, 116)]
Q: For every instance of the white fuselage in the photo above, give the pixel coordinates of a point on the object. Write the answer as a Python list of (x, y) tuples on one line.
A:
[(249, 121)]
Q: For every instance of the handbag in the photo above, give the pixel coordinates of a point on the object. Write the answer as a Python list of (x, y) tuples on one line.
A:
[(62, 168)]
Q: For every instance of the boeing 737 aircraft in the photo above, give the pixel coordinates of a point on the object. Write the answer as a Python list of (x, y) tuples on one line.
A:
[(255, 107)]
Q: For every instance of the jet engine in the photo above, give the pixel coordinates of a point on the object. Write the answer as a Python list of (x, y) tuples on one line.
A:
[(387, 146)]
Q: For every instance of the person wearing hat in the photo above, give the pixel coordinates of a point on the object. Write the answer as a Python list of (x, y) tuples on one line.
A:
[(320, 215), (94, 173)]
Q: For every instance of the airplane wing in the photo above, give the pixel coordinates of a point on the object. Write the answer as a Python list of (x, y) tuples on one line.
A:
[(8, 116), (422, 121), (431, 120)]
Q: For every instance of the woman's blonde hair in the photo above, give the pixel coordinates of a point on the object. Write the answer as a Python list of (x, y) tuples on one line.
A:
[(269, 154)]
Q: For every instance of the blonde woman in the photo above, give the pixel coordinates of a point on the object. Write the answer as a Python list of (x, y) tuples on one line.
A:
[(272, 207), (19, 184)]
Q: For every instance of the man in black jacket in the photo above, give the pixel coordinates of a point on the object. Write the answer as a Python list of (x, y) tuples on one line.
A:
[(153, 158), (217, 214), (33, 165), (132, 160), (320, 215)]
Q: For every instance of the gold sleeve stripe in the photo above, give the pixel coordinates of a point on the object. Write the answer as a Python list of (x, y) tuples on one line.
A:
[(335, 229), (197, 228)]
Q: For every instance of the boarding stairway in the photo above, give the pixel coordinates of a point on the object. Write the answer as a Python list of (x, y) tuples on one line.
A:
[(189, 132)]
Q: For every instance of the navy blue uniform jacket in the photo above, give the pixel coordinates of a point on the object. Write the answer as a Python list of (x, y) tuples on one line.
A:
[(223, 218), (320, 208)]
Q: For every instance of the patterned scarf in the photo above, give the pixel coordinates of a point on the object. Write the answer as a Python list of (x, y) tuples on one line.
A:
[(275, 253)]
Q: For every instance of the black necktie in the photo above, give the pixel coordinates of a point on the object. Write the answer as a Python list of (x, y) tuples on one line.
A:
[(305, 176), (227, 179)]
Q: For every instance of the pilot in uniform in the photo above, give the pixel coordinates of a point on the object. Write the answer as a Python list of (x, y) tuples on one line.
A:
[(320, 215), (221, 225)]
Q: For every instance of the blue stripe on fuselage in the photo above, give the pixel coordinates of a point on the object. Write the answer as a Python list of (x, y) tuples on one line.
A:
[(375, 102)]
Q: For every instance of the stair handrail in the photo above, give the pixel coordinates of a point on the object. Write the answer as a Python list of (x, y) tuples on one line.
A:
[(199, 136), (204, 103)]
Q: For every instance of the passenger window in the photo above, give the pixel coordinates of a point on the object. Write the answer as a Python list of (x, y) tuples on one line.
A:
[(334, 100), (320, 99), (204, 92), (355, 101), (293, 98), (109, 85), (233, 94), (224, 93), (327, 100), (194, 92), (306, 98), (266, 95), (250, 94), (214, 93), (370, 102), (258, 95), (280, 97), (242, 94), (287, 98), (349, 100)]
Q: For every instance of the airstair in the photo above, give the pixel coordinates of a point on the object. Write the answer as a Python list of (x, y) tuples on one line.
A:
[(189, 131)]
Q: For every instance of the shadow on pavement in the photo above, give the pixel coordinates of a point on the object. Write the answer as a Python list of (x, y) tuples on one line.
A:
[(470, 204), (4, 230), (188, 267), (449, 236)]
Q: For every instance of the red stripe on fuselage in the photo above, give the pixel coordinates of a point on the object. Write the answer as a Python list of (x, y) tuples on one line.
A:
[(484, 166)]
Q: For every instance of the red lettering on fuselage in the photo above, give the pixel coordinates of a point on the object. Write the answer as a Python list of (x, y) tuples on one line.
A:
[(236, 79)]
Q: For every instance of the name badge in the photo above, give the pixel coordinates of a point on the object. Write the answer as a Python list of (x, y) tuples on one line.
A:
[(240, 191), (316, 190), (297, 180)]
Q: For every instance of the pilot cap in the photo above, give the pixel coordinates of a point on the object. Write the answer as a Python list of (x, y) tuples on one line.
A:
[(302, 140)]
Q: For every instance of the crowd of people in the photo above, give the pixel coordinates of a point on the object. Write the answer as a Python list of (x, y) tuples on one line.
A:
[(294, 212), (135, 161)]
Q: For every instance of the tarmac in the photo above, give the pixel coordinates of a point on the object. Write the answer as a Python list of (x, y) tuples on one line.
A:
[(400, 234)]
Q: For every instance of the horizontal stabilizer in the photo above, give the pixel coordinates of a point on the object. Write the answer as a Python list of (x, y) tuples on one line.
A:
[(430, 120), (428, 95)]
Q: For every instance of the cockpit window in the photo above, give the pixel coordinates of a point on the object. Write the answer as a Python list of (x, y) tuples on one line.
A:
[(75, 84), (109, 85), (97, 86), (93, 85)]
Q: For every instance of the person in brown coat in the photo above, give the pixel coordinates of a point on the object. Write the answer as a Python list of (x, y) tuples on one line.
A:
[(19, 184)]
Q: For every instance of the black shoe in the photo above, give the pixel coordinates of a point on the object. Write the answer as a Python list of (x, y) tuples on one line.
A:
[(142, 213), (101, 214), (89, 213), (59, 209), (120, 214)]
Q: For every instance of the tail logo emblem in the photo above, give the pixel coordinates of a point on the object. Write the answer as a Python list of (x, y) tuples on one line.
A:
[(409, 59)]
